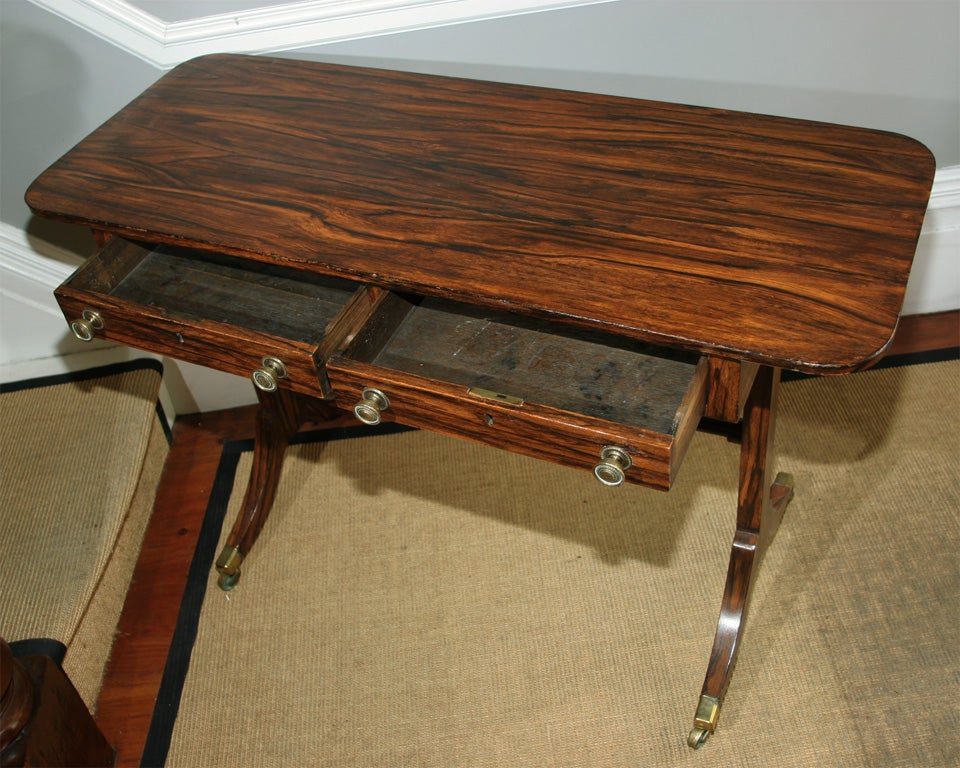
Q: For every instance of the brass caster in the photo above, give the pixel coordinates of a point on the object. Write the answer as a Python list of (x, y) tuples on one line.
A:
[(229, 566), (708, 712), (697, 737), (228, 581)]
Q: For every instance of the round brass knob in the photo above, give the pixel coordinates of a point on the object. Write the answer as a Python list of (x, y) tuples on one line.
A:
[(372, 402), (265, 378), (614, 462), (84, 327)]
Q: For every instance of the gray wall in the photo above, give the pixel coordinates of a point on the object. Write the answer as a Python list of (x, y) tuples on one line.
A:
[(57, 83), (888, 65)]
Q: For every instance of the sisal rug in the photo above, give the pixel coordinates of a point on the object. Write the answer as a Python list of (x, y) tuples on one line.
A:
[(80, 460), (415, 600)]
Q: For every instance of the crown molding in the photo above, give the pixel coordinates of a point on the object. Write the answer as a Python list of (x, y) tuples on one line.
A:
[(283, 27)]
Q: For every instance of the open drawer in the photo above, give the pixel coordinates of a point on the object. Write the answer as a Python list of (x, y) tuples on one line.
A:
[(234, 315), (626, 409)]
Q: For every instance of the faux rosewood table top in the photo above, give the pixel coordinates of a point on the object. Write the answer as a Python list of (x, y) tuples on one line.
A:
[(780, 241)]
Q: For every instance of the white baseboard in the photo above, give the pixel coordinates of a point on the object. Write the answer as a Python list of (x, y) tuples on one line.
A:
[(287, 26), (31, 326), (935, 279), (35, 261)]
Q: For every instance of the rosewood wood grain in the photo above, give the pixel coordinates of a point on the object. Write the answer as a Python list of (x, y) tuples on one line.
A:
[(356, 317), (728, 384), (279, 416), (16, 701), (760, 506), (43, 720), (209, 314), (239, 351), (781, 241), (688, 416), (520, 385), (532, 429)]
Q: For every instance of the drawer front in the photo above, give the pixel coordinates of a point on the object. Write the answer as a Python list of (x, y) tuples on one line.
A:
[(540, 431), (213, 345), (275, 325)]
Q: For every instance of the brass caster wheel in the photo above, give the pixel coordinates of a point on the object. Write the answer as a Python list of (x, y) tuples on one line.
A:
[(228, 581), (697, 738), (229, 566), (708, 710)]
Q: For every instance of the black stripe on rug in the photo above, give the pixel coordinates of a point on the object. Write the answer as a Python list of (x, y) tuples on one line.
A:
[(89, 374), (188, 620), (178, 659)]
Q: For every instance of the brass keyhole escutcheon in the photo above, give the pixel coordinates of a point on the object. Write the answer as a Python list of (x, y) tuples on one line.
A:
[(84, 327), (613, 465), (265, 378), (372, 402)]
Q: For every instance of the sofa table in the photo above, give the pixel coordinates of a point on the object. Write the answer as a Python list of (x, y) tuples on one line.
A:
[(576, 277)]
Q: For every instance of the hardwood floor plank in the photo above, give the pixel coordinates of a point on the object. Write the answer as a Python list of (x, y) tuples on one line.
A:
[(925, 333), (150, 612)]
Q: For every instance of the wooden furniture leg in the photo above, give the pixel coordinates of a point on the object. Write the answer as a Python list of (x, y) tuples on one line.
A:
[(760, 506), (280, 415), (43, 720)]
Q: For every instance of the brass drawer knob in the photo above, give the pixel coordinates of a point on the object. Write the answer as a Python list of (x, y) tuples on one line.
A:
[(265, 378), (614, 462), (372, 402), (86, 325)]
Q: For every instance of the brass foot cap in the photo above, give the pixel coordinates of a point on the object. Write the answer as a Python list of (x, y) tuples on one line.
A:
[(229, 560)]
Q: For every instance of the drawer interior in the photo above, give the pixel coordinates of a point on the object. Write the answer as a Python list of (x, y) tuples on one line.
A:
[(595, 374), (194, 286), (218, 311)]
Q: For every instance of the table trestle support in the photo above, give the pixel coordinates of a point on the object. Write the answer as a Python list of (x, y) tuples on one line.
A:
[(760, 506)]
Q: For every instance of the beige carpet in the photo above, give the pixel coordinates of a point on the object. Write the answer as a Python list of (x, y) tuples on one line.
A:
[(419, 601), (80, 461)]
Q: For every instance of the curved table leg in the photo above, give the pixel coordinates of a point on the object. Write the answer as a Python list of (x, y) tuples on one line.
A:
[(760, 506), (280, 415)]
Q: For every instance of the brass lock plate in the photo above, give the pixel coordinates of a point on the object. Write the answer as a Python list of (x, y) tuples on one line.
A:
[(488, 394)]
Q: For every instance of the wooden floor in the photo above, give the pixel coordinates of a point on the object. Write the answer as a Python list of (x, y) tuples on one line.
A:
[(150, 613)]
